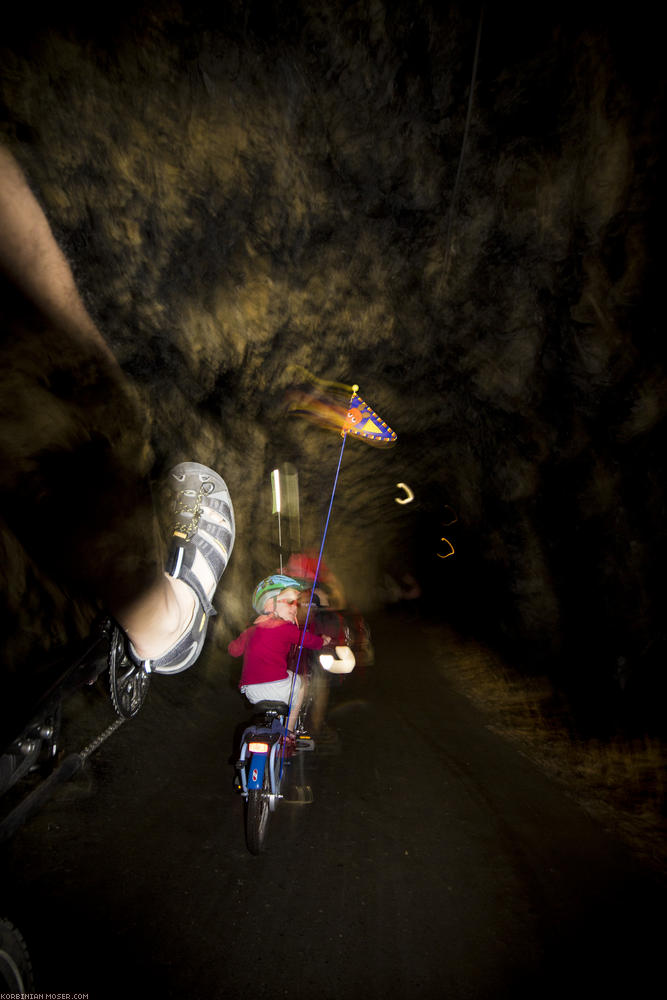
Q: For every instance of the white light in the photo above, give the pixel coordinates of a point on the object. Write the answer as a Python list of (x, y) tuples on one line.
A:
[(345, 662), (409, 495), (275, 482), (326, 659)]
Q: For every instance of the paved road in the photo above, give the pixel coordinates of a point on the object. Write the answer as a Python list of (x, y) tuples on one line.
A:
[(435, 861)]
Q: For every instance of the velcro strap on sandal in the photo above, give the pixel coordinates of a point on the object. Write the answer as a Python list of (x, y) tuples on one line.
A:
[(189, 577), (184, 651)]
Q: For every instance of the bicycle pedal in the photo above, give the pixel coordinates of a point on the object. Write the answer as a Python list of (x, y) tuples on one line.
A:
[(305, 743), (300, 795)]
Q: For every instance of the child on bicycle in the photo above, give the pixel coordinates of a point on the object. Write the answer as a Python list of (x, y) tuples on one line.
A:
[(266, 644)]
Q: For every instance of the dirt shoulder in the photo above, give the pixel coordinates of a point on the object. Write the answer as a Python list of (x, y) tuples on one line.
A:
[(621, 783)]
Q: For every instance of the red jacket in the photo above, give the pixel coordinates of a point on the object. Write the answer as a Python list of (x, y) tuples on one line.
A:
[(265, 646)]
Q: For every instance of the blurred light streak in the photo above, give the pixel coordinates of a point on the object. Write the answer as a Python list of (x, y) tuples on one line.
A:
[(275, 483), (290, 480), (275, 489), (448, 554), (408, 498), (322, 401), (454, 519)]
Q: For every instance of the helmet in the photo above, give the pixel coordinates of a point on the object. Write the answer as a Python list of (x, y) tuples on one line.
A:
[(270, 586)]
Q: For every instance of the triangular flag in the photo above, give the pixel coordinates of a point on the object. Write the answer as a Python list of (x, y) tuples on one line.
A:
[(329, 404), (363, 422)]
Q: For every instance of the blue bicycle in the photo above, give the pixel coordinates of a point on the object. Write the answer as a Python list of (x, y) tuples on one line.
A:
[(266, 754)]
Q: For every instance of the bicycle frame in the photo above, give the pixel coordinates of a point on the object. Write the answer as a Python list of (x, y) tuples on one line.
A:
[(260, 770), (261, 766), (261, 746)]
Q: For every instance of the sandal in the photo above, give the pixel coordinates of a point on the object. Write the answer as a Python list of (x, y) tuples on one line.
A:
[(197, 490)]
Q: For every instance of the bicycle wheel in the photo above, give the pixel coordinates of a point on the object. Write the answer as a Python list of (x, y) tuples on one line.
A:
[(15, 965), (257, 814)]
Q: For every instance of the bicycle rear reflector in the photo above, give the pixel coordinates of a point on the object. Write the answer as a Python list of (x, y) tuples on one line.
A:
[(258, 747)]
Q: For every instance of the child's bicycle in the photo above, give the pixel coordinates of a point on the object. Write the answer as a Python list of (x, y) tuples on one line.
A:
[(266, 754)]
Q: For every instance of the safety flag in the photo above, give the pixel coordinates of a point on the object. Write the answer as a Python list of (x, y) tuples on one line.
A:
[(363, 422), (336, 406)]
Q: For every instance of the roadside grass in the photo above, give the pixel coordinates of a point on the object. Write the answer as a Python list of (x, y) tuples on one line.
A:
[(620, 782)]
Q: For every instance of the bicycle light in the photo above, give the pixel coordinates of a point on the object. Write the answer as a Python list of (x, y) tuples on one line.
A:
[(342, 663), (258, 747)]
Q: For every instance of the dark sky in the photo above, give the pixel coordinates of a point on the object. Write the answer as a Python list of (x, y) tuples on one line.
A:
[(458, 212)]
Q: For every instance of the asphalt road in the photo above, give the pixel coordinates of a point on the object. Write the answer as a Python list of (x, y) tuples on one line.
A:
[(434, 860)]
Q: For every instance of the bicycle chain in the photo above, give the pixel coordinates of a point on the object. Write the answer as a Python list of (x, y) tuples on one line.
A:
[(99, 740)]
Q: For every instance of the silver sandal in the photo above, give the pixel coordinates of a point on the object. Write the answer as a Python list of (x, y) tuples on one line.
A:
[(197, 489)]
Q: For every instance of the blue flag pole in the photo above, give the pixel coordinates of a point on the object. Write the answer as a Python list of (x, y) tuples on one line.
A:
[(317, 571)]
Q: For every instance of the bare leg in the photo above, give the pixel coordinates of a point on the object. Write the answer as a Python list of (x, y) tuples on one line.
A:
[(297, 702), (159, 617), (320, 699), (33, 260), (113, 548)]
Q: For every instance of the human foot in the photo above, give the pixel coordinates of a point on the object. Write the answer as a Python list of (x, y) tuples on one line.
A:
[(203, 534)]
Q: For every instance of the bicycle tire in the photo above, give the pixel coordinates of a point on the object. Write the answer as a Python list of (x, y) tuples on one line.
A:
[(15, 965), (258, 811)]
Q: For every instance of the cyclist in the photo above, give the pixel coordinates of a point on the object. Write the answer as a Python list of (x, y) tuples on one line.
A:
[(325, 620), (74, 462), (304, 565), (265, 645)]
